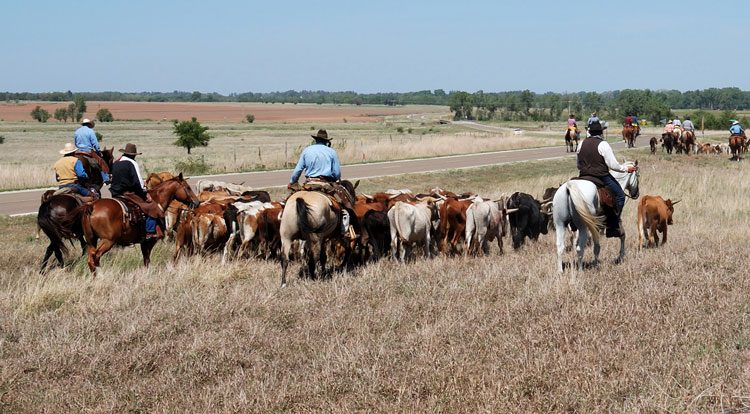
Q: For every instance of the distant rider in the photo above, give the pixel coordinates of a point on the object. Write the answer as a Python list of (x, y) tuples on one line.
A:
[(572, 125), (593, 118), (687, 125), (87, 143), (595, 159)]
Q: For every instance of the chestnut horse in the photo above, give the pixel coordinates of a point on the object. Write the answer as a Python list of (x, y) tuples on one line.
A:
[(55, 207), (628, 134), (105, 226), (688, 142)]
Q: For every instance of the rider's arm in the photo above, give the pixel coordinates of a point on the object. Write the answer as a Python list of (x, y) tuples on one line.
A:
[(94, 142), (80, 172), (336, 167), (609, 157), (298, 169)]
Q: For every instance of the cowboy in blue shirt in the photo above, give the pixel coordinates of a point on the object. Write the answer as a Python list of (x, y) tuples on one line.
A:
[(736, 128), (319, 160), (88, 144)]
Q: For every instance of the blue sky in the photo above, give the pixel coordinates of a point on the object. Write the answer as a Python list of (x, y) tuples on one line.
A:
[(371, 46)]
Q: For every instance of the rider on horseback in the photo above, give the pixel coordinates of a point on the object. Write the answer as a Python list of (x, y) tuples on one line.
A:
[(736, 128), (127, 183), (88, 145), (688, 125), (595, 159), (322, 172), (69, 171)]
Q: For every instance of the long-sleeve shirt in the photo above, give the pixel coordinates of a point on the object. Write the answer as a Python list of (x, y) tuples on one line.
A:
[(605, 150), (735, 129), (592, 120), (85, 139), (69, 170), (688, 125), (318, 160), (125, 178)]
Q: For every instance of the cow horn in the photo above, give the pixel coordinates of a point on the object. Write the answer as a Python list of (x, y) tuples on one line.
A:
[(675, 202), (511, 210), (393, 196)]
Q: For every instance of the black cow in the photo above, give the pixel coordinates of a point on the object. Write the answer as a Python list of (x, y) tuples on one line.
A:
[(376, 232), (528, 220), (257, 195)]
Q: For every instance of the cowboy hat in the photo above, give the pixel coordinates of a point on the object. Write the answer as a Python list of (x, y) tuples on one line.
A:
[(87, 121), (735, 122), (322, 134), (68, 149), (130, 149)]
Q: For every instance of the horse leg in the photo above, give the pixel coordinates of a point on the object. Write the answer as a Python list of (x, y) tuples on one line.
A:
[(286, 249), (621, 256), (103, 247), (47, 255), (323, 259), (146, 247), (583, 236), (560, 239)]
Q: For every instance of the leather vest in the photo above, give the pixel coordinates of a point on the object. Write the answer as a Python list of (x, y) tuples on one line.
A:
[(590, 162)]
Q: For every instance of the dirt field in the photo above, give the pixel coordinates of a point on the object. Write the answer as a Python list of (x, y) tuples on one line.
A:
[(667, 331), (225, 112)]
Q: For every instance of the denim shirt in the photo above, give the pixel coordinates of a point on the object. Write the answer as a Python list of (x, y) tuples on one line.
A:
[(85, 139), (318, 160)]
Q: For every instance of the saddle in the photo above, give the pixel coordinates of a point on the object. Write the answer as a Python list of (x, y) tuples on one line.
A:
[(69, 192), (132, 212), (606, 198), (338, 198)]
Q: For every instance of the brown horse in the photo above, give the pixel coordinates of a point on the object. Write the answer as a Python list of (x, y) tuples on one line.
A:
[(55, 207), (104, 224), (737, 145), (688, 142), (570, 136), (155, 179), (628, 134)]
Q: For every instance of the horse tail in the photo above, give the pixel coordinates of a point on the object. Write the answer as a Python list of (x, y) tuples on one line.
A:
[(578, 205), (303, 221), (54, 231), (79, 215)]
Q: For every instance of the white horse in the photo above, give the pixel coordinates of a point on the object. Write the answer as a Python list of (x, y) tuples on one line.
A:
[(577, 202)]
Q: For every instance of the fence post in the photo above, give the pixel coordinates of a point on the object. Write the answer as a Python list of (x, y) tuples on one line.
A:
[(286, 153), (260, 156)]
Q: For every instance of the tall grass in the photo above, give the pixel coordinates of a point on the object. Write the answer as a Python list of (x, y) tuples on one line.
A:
[(665, 331)]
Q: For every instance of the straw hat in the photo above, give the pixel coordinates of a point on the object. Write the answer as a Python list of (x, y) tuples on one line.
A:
[(68, 149), (86, 121)]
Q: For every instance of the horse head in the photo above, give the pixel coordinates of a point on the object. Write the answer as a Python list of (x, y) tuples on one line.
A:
[(631, 184), (175, 188), (108, 156)]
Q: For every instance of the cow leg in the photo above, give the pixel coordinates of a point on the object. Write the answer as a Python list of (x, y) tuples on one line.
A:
[(228, 247), (427, 252), (146, 247), (653, 238), (664, 235), (394, 245)]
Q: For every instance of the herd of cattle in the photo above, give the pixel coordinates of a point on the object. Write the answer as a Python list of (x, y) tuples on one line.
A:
[(237, 222), (680, 144)]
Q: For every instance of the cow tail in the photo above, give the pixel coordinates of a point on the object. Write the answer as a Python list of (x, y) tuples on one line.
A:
[(578, 205), (303, 221)]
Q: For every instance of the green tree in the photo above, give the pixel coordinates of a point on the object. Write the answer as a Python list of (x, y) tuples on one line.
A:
[(39, 114), (195, 96), (250, 118), (191, 134), (461, 104), (61, 114), (73, 113), (104, 115), (80, 104)]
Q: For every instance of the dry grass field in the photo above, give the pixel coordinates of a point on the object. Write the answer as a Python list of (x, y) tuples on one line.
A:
[(667, 331)]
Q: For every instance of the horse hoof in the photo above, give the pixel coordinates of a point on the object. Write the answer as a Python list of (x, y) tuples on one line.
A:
[(283, 285)]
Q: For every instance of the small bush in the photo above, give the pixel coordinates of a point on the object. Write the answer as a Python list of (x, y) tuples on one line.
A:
[(104, 115), (409, 130), (99, 136), (192, 166), (250, 118), (400, 130), (2, 139)]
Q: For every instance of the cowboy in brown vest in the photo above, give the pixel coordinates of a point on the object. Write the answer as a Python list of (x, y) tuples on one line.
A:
[(595, 159), (128, 183)]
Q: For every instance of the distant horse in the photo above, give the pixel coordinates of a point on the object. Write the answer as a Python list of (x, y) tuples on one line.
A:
[(577, 202), (667, 141), (628, 134), (154, 179), (737, 145), (104, 224), (688, 142), (313, 217), (570, 136), (55, 207)]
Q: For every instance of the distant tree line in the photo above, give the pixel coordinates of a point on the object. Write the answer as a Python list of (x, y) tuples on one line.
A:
[(654, 105)]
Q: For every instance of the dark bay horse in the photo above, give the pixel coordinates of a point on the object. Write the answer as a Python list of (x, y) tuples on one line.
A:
[(55, 207), (104, 226), (628, 134)]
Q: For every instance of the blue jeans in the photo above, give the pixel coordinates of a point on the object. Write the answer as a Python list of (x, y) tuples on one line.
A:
[(151, 225), (614, 186), (81, 189)]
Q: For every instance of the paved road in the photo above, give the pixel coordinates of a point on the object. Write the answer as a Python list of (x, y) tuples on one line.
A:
[(26, 202)]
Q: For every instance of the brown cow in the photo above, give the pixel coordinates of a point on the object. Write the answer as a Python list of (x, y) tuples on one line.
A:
[(652, 143), (452, 225), (654, 213)]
